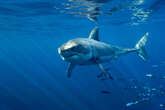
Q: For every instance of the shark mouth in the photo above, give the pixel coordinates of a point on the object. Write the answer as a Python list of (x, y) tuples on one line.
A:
[(65, 54), (71, 55), (67, 57)]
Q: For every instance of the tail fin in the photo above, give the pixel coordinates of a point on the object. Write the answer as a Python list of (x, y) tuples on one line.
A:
[(140, 46)]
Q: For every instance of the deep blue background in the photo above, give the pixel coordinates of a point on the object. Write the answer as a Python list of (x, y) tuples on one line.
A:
[(33, 76)]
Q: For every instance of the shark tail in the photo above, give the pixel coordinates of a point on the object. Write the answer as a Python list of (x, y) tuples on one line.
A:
[(140, 47)]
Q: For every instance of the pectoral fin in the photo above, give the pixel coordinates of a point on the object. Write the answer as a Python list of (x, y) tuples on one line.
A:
[(105, 72), (69, 70)]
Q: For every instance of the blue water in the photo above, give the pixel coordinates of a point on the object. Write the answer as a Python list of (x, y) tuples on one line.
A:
[(33, 76)]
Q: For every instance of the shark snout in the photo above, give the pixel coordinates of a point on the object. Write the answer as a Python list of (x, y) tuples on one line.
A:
[(61, 51), (64, 52)]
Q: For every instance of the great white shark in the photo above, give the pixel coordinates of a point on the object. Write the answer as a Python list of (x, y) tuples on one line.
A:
[(90, 51)]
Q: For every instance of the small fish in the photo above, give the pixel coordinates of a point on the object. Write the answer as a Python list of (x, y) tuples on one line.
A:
[(105, 92), (162, 105), (134, 87), (129, 104), (163, 77), (155, 66), (149, 75), (153, 89), (132, 103)]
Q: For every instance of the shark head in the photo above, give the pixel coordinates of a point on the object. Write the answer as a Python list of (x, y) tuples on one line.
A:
[(78, 51), (75, 51)]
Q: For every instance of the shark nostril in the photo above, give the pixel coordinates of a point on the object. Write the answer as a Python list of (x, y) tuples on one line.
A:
[(63, 50)]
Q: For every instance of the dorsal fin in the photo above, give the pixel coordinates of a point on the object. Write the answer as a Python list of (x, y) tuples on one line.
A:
[(94, 34)]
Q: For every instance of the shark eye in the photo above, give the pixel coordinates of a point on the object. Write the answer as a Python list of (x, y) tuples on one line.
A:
[(73, 48), (79, 47)]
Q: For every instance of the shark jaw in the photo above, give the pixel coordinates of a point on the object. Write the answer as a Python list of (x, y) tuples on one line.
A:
[(66, 55), (71, 56)]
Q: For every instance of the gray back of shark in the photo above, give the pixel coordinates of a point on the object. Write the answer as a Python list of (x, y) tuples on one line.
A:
[(87, 51)]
